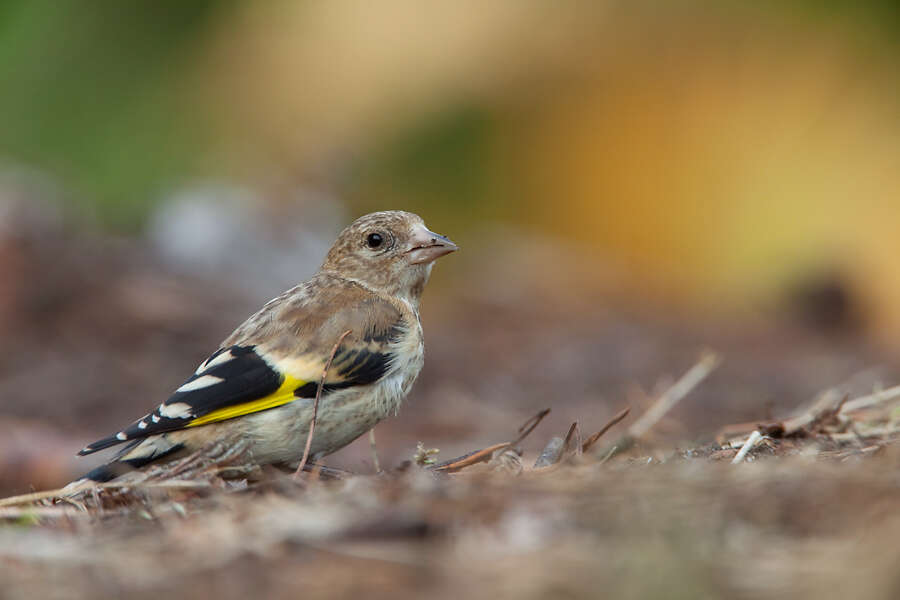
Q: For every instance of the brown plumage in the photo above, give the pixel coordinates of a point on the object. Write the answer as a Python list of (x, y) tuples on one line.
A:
[(260, 384)]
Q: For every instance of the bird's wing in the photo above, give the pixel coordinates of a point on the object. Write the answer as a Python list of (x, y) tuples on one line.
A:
[(278, 358)]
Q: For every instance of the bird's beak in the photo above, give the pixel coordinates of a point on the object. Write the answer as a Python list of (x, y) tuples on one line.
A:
[(427, 246)]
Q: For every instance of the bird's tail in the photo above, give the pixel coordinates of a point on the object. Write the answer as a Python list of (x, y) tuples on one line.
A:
[(111, 470), (133, 457)]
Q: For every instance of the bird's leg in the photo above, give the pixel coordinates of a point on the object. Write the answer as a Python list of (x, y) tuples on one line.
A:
[(374, 450)]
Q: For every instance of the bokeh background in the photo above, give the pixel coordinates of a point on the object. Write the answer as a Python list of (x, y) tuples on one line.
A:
[(630, 183)]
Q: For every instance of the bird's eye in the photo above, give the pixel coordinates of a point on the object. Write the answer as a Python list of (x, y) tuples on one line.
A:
[(374, 240)]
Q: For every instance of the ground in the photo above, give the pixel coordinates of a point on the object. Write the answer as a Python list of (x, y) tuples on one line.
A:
[(663, 504)]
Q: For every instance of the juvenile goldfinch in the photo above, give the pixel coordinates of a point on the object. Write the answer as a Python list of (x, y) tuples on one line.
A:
[(259, 386)]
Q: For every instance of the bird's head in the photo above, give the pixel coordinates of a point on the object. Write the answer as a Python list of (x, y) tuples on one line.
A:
[(390, 252)]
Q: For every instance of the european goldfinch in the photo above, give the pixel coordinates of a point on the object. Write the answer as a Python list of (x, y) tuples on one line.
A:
[(259, 385)]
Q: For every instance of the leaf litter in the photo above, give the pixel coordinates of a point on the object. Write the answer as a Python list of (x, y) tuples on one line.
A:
[(806, 504)]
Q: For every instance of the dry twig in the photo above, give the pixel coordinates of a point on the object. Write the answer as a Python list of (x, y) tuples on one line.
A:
[(748, 445), (871, 400), (486, 454), (675, 394), (467, 460), (529, 425), (672, 396), (315, 416), (32, 497), (612, 422)]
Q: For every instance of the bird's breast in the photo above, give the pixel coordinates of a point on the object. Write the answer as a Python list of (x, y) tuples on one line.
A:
[(408, 356)]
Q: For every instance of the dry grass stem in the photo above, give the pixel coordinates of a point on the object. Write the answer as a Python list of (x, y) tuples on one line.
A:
[(529, 426), (871, 400), (467, 460), (620, 416), (745, 449), (315, 415), (672, 396), (32, 497)]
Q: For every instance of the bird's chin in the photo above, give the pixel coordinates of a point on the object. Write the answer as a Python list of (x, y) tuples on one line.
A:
[(427, 254)]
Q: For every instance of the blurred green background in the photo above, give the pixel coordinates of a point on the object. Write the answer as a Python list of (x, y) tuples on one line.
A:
[(735, 162)]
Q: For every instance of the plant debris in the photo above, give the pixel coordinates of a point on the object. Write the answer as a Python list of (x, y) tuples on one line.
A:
[(580, 514)]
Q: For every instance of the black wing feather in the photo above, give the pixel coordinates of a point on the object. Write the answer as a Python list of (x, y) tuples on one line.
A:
[(354, 367), (245, 377)]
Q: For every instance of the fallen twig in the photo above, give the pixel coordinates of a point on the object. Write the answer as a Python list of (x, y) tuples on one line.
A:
[(748, 445), (871, 399), (172, 484), (529, 425), (612, 451), (825, 404), (315, 415), (485, 454), (467, 460), (612, 422), (672, 396), (32, 497)]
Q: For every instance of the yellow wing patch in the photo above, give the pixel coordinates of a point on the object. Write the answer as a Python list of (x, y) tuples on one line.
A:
[(283, 395)]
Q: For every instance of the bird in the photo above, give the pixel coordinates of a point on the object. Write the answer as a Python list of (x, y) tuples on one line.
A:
[(358, 314)]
